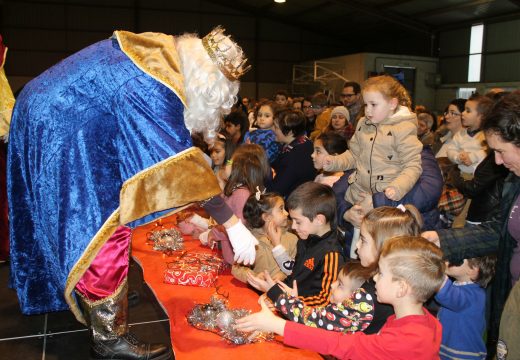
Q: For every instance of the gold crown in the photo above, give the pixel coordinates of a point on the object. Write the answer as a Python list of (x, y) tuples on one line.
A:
[(225, 53)]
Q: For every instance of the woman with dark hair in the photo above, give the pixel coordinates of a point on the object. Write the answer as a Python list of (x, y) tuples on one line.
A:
[(294, 166), (453, 124), (499, 235)]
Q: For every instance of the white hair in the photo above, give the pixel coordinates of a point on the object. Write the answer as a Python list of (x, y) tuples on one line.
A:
[(209, 94)]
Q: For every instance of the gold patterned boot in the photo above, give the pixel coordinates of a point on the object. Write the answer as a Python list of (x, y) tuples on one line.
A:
[(107, 320)]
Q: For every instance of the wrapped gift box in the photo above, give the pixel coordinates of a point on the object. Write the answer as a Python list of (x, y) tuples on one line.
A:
[(194, 269)]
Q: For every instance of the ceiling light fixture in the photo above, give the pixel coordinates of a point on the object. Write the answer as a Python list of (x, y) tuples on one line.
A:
[(279, 1)]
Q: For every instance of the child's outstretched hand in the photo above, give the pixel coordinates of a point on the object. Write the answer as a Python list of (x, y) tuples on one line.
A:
[(260, 284), (432, 236), (264, 320), (289, 291), (464, 158), (354, 215), (366, 203), (391, 193), (274, 233)]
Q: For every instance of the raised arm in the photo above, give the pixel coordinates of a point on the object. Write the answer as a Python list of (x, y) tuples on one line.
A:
[(409, 149), (354, 314)]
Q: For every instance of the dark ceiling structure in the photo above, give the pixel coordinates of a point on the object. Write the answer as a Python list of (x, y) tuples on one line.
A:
[(364, 22)]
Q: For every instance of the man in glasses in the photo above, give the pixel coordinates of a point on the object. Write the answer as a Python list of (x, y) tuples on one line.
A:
[(351, 98)]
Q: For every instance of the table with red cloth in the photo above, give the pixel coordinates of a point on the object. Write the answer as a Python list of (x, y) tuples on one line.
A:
[(178, 300)]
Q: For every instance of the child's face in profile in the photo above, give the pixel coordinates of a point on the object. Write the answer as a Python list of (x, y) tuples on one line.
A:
[(278, 215), (470, 115), (218, 154), (366, 248), (303, 225), (232, 129), (342, 289), (386, 287), (264, 118), (377, 107), (318, 154)]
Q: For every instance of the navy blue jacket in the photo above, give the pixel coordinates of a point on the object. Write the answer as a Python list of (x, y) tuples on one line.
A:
[(293, 168), (424, 195)]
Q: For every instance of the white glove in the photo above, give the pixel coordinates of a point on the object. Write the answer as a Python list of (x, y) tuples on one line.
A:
[(243, 243), (203, 237), (199, 221)]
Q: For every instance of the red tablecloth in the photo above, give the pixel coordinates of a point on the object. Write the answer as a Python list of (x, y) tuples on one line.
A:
[(178, 300)]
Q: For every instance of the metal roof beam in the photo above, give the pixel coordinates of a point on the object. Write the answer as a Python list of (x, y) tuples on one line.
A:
[(393, 3), (447, 9), (387, 16)]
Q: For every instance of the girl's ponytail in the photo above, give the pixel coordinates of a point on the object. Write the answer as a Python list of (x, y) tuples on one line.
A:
[(416, 215), (257, 205)]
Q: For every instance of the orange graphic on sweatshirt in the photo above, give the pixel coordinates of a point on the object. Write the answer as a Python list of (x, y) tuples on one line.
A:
[(309, 264)]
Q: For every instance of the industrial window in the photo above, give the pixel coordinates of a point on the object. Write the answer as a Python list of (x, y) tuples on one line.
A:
[(465, 93), (475, 52)]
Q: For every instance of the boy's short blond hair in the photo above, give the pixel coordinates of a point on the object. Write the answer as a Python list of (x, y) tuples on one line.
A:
[(416, 261)]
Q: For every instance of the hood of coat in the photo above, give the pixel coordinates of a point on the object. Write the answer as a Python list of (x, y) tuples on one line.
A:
[(402, 114)]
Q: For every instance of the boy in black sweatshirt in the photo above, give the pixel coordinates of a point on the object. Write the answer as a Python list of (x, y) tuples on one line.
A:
[(312, 207)]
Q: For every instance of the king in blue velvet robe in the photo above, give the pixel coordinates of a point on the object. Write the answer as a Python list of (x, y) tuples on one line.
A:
[(96, 141)]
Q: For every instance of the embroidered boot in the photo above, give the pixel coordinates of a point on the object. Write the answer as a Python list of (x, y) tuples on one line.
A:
[(107, 320)]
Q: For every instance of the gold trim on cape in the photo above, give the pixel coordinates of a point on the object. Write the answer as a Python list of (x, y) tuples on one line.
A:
[(176, 181), (6, 101), (156, 55)]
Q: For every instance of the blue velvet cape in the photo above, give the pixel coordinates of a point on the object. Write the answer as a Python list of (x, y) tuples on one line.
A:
[(78, 131)]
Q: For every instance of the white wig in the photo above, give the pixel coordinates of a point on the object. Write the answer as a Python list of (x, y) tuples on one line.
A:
[(209, 94)]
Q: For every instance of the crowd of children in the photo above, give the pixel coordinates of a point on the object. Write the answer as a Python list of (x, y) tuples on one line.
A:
[(359, 190)]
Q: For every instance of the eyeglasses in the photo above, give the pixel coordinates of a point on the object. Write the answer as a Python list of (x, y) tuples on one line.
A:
[(452, 113), (306, 107), (347, 95)]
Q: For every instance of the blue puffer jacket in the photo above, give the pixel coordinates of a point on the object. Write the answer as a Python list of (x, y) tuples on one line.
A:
[(424, 195)]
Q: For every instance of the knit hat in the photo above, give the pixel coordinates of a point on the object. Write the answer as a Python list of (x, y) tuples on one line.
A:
[(341, 110)]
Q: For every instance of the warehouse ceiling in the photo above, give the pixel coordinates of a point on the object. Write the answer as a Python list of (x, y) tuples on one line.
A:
[(364, 21)]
